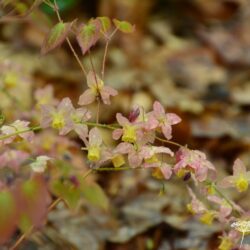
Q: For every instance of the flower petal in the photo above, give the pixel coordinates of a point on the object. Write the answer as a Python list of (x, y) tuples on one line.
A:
[(87, 97)]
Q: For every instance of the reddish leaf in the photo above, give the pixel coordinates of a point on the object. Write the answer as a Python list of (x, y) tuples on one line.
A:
[(8, 215), (88, 34), (55, 37), (33, 200)]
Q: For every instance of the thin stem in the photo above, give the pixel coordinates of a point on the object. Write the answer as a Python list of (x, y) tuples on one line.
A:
[(104, 58), (98, 110), (68, 41), (116, 169), (169, 142), (242, 238), (3, 137), (100, 125)]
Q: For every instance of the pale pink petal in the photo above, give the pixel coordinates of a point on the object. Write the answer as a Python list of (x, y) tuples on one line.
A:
[(95, 137), (201, 173), (134, 159), (239, 167), (117, 133), (46, 115), (173, 118), (66, 128), (227, 182), (165, 150), (166, 171), (167, 131), (158, 109), (151, 123), (121, 119), (87, 97), (82, 131), (65, 105), (106, 92), (123, 148), (92, 78)]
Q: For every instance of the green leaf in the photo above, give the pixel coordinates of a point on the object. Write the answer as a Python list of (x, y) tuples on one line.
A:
[(124, 26), (105, 22), (88, 34), (55, 37), (68, 192), (94, 194), (24, 223)]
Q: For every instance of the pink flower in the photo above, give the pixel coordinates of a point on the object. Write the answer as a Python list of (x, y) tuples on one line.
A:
[(194, 161), (66, 118), (135, 153), (158, 118), (16, 127), (240, 178), (97, 89), (128, 132), (13, 159), (45, 96), (59, 117), (151, 159)]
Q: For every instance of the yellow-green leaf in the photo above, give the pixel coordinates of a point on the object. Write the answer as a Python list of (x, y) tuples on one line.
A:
[(105, 22), (124, 26)]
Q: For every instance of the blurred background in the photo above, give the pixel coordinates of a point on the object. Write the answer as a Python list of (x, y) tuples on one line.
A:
[(191, 55)]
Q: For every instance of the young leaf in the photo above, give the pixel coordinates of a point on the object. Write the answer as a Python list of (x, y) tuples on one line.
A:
[(88, 34), (105, 22), (94, 194), (55, 37), (66, 191), (8, 215), (124, 26)]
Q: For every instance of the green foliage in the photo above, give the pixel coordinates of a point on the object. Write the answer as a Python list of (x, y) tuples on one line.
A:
[(95, 195), (105, 22), (124, 26)]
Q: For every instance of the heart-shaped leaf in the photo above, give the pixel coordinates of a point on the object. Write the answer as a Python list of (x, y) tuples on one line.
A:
[(55, 37), (88, 34)]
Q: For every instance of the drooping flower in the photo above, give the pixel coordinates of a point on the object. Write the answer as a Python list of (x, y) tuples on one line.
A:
[(240, 178), (225, 208), (94, 145), (40, 164), (16, 127), (159, 118), (192, 160), (151, 160), (196, 207), (228, 241), (96, 89), (116, 158)]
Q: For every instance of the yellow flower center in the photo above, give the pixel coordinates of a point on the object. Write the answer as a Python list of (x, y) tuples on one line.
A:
[(190, 208), (152, 159), (129, 134), (241, 184), (118, 161), (226, 244), (94, 153), (207, 217), (58, 121), (10, 80), (96, 88), (157, 174)]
